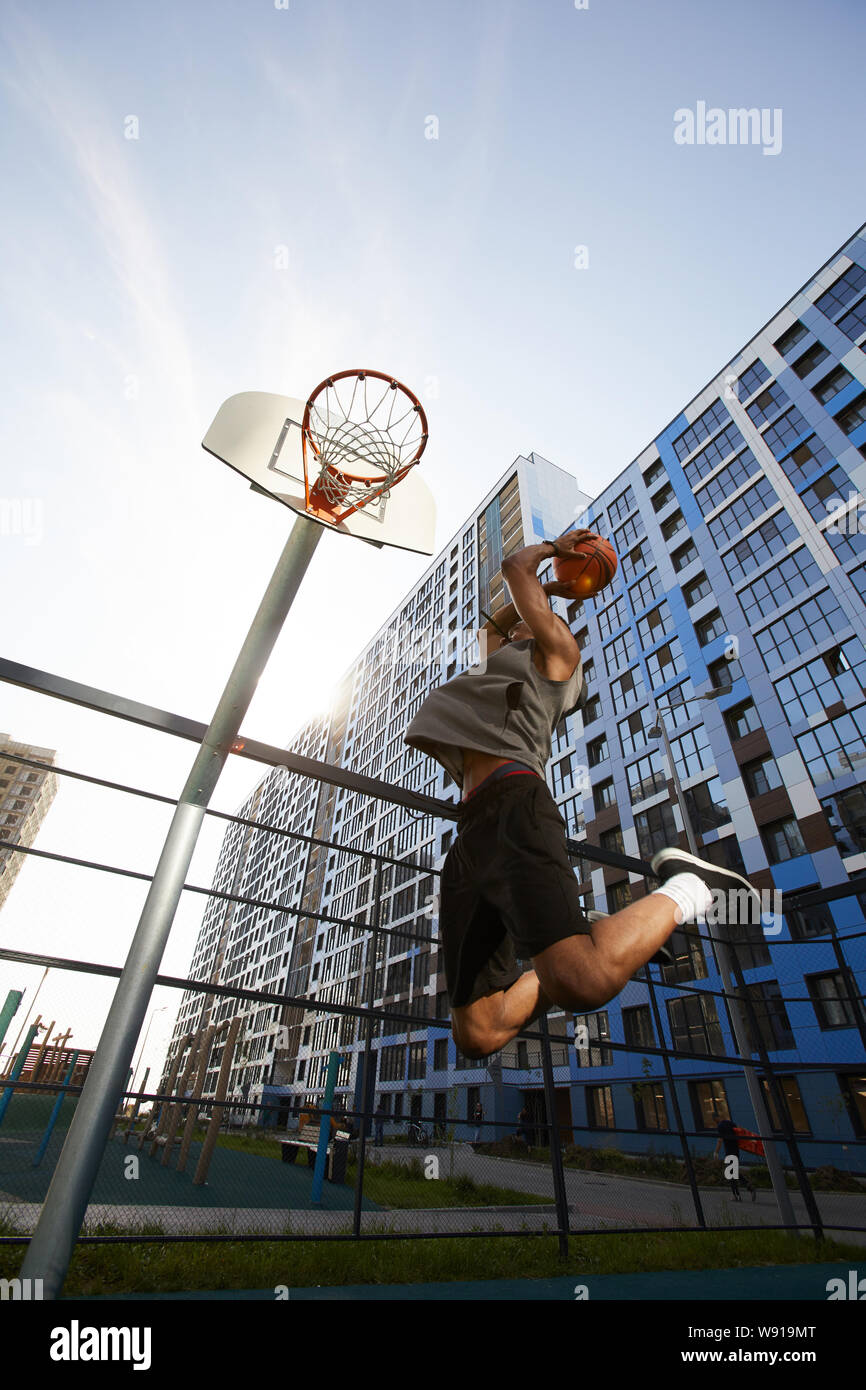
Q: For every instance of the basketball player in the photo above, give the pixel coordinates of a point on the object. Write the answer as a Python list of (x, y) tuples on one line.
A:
[(507, 889)]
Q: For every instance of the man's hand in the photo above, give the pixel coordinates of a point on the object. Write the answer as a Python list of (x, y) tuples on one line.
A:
[(566, 545)]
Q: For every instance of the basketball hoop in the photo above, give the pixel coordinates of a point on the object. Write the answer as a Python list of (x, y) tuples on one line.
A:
[(358, 442)]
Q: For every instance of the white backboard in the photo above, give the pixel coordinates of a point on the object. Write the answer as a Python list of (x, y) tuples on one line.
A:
[(259, 435)]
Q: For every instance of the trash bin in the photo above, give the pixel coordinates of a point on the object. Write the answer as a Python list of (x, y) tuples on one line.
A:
[(338, 1159)]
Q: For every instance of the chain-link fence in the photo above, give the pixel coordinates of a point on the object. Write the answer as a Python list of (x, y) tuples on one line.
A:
[(372, 1125)]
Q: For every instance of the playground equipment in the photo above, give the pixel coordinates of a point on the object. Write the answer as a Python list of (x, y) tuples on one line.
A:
[(190, 1098), (43, 1145)]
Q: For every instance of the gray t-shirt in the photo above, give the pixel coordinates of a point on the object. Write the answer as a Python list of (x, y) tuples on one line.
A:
[(508, 709)]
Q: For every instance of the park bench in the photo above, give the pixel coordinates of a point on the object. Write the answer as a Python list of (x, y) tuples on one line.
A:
[(307, 1138)]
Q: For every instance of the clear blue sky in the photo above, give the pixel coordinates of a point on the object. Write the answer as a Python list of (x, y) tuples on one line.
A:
[(140, 287)]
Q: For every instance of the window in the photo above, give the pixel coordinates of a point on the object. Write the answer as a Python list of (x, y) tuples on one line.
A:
[(655, 829), (709, 1103), (779, 584), (654, 472), (773, 535), (698, 589), (621, 506), (417, 1060), (633, 731), (645, 777), (838, 674), (597, 750), (619, 895), (612, 840), (737, 472), (804, 627), (742, 719), (684, 556), (706, 424), (724, 672), (611, 618), (761, 775), (830, 386), (719, 448), (563, 780), (636, 560), (637, 1026), (707, 807), (618, 653), (572, 814), (392, 1063), (853, 1090), (692, 752), (673, 526), (649, 1105), (690, 962), (853, 414), (808, 458), (642, 594), (782, 840), (664, 663), (846, 817), (792, 1101), (591, 710), (652, 628), (808, 922), (751, 379), (631, 531), (811, 359), (694, 1024), (745, 509), (834, 748), (789, 339), (597, 1033), (786, 432), (710, 627), (440, 1054), (599, 1107), (832, 1001), (747, 942), (603, 794), (769, 403), (768, 1016), (661, 498), (850, 284), (627, 688), (853, 325)]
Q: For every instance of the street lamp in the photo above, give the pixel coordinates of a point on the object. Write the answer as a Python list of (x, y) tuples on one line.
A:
[(160, 1010), (729, 987)]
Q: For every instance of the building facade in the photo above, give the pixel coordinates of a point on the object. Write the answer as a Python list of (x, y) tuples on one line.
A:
[(26, 794), (741, 536)]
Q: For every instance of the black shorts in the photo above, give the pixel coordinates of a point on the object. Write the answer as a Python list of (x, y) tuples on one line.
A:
[(507, 889)]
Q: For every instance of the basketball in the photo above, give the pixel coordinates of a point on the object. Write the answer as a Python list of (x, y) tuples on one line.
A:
[(589, 568)]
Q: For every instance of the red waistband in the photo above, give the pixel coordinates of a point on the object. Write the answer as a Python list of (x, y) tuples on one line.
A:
[(509, 769)]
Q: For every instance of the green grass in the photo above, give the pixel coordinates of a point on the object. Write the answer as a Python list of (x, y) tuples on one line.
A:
[(403, 1186), (112, 1269)]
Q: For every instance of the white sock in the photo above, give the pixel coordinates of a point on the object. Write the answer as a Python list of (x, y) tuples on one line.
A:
[(691, 895)]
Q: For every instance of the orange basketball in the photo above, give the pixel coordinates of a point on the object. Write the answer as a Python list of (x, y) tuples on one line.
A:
[(590, 567)]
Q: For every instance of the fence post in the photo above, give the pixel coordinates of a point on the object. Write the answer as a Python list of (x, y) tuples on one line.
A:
[(559, 1192), (675, 1101), (368, 1048)]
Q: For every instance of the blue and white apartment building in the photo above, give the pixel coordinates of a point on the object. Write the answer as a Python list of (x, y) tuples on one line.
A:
[(741, 536)]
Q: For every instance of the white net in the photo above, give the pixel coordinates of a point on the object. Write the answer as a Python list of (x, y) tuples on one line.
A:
[(363, 431)]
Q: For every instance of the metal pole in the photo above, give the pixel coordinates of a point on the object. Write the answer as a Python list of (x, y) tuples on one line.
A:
[(55, 1112), (9, 1010), (65, 1204), (325, 1127), (30, 1010), (735, 1014), (559, 1190), (368, 1048), (17, 1068)]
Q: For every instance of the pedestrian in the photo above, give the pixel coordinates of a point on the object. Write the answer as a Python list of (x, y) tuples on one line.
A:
[(524, 1133), (478, 1116), (729, 1140), (378, 1124)]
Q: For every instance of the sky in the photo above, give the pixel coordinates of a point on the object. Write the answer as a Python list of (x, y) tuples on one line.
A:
[(486, 200)]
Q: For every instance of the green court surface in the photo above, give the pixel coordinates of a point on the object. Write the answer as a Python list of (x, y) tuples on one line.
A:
[(235, 1178), (776, 1283)]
